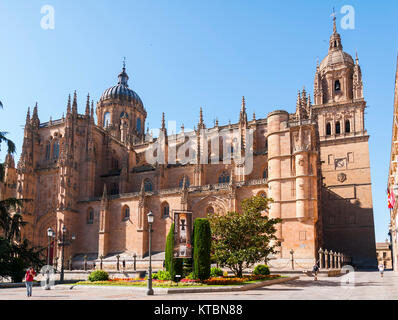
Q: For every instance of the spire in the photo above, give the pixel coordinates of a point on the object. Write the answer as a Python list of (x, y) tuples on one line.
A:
[(163, 122), (201, 124), (92, 110), (74, 104), (334, 21), (35, 114), (254, 116), (68, 106), (28, 116), (123, 77), (335, 40), (356, 58), (88, 105), (243, 115)]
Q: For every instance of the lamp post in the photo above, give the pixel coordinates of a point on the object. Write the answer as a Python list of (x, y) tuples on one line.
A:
[(150, 221), (50, 235), (292, 253), (61, 278)]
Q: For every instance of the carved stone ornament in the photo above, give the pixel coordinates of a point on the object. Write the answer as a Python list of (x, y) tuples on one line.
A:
[(341, 177)]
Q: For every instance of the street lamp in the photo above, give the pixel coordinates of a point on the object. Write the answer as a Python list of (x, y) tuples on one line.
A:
[(61, 278), (292, 253), (50, 235), (150, 222)]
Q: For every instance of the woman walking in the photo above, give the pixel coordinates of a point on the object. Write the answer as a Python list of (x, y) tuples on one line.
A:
[(29, 281), (381, 269)]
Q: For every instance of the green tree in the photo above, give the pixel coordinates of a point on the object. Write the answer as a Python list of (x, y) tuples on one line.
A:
[(202, 248), (241, 240), (173, 266)]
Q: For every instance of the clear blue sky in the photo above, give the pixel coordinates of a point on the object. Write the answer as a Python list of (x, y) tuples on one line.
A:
[(182, 55)]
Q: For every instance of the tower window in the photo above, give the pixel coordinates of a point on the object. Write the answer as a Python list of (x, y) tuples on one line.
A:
[(124, 114), (148, 185), (337, 86), (56, 150), (328, 129), (182, 181), (165, 210), (107, 119), (139, 124), (90, 216), (223, 178), (338, 128), (126, 213), (265, 174), (347, 126)]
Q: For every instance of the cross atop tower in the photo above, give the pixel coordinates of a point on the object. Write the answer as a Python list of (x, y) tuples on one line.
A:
[(334, 21)]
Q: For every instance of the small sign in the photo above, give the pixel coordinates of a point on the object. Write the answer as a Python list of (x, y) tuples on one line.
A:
[(182, 234)]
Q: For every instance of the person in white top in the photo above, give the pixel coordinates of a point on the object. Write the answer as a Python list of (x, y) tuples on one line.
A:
[(381, 269)]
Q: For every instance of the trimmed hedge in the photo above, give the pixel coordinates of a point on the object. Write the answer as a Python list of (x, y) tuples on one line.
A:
[(98, 275), (262, 270), (173, 266), (202, 247)]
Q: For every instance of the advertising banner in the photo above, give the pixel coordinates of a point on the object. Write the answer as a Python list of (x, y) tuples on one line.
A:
[(182, 234)]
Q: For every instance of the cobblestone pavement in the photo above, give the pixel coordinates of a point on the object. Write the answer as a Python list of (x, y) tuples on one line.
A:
[(361, 285)]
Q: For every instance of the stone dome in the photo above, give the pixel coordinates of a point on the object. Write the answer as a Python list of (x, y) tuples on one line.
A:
[(336, 57), (122, 90)]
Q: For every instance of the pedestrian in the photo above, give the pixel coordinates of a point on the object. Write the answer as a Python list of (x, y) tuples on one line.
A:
[(381, 269), (30, 273), (315, 270)]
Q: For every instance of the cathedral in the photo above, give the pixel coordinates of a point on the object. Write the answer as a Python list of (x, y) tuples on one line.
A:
[(94, 182)]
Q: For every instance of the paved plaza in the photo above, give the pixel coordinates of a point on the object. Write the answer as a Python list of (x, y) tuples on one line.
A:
[(361, 286)]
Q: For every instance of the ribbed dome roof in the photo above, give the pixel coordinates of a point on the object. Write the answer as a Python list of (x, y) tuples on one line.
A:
[(122, 90), (336, 57)]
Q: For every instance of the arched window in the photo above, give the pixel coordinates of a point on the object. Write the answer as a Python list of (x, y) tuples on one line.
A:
[(223, 178), (114, 189), (148, 185), (209, 210), (55, 149), (139, 124), (107, 119), (48, 151), (186, 181), (90, 216), (165, 210), (338, 127), (337, 86), (328, 129), (125, 213), (265, 173), (347, 126)]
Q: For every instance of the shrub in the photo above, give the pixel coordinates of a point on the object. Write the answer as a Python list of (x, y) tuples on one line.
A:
[(98, 275), (216, 272), (202, 247), (161, 275), (261, 269), (173, 266)]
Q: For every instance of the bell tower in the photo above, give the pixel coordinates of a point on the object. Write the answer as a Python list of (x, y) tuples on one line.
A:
[(121, 111), (346, 192)]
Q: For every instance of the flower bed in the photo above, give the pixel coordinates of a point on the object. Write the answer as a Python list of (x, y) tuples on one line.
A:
[(215, 281)]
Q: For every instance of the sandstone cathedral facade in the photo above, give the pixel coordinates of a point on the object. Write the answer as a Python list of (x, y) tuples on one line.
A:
[(94, 178)]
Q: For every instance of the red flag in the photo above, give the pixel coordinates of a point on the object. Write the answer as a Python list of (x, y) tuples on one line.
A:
[(389, 200)]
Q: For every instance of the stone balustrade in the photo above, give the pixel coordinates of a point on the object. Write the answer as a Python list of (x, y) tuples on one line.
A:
[(327, 259)]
